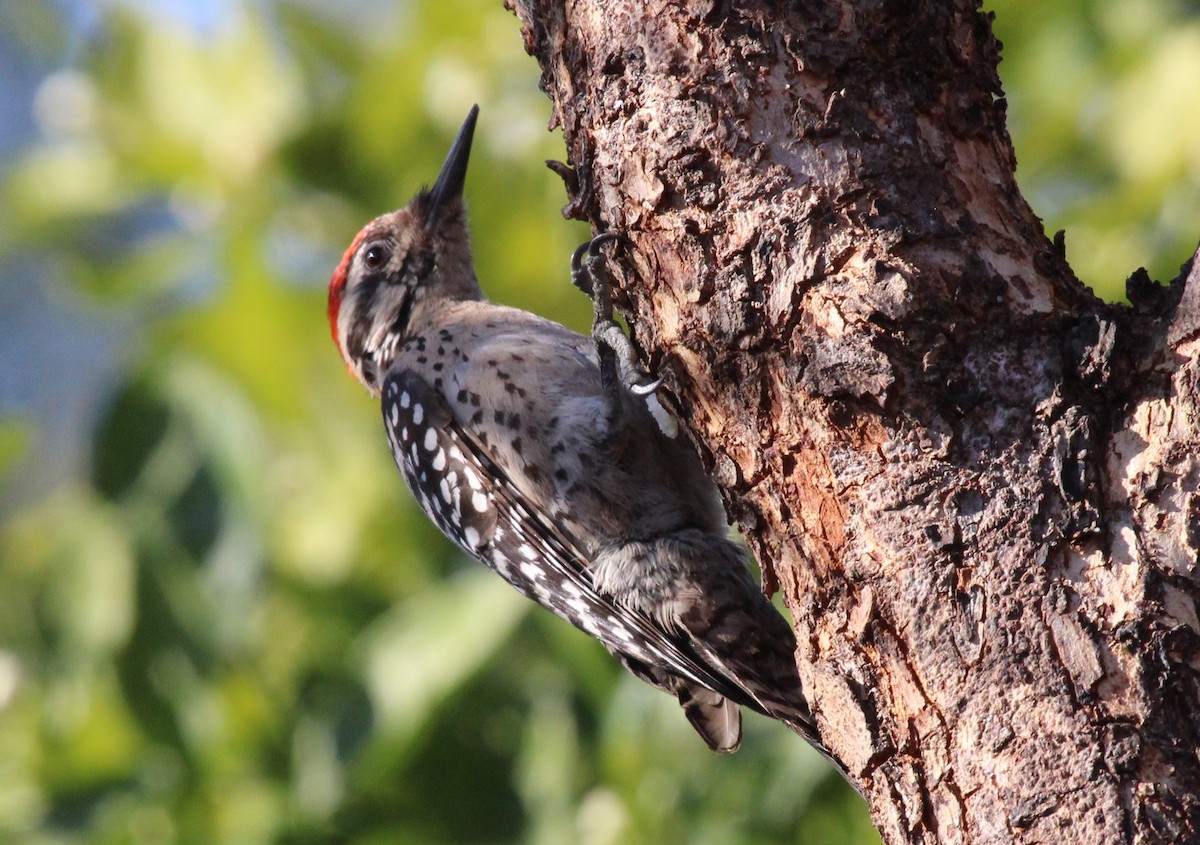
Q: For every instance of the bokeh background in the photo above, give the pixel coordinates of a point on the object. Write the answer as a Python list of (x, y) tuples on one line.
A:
[(222, 620)]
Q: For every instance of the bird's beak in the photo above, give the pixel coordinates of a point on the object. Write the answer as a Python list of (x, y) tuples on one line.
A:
[(449, 184)]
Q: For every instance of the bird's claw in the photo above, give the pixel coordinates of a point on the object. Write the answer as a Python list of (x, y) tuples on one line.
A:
[(582, 275), (645, 389)]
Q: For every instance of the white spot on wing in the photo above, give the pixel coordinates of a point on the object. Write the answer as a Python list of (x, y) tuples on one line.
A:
[(479, 502), (405, 399), (622, 633), (471, 535), (430, 440), (418, 413), (472, 478), (439, 460), (501, 563)]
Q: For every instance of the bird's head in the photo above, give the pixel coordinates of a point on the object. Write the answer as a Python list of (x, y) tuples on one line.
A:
[(402, 263)]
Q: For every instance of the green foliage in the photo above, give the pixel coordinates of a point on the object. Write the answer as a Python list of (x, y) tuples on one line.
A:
[(223, 619), (1104, 115)]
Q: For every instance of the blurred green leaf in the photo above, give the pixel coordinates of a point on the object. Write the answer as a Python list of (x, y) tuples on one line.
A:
[(429, 645), (15, 438), (1102, 116)]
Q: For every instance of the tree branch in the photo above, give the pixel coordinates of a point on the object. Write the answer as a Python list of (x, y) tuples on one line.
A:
[(974, 482)]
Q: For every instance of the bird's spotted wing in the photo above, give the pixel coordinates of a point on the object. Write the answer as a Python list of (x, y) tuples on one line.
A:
[(451, 485), (472, 501)]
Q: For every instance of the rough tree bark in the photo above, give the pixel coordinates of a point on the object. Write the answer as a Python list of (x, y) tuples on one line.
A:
[(975, 483)]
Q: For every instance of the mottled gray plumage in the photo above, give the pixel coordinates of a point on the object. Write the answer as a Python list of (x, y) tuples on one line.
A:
[(559, 480)]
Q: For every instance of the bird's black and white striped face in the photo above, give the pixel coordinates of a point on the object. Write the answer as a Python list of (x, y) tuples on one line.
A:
[(373, 291), (419, 253)]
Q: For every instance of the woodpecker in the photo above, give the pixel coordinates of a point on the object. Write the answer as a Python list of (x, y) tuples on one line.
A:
[(537, 451)]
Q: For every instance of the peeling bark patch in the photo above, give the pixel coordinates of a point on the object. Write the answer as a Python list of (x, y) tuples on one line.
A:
[(1122, 746), (1076, 651), (835, 370), (1185, 322), (968, 634), (1027, 812), (841, 715), (1073, 470)]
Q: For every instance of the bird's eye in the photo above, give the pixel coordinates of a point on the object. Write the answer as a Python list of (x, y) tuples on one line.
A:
[(376, 256)]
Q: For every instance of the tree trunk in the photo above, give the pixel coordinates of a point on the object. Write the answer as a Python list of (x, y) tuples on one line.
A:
[(975, 482)]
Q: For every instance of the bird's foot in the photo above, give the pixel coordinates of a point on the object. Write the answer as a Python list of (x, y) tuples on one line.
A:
[(619, 364)]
